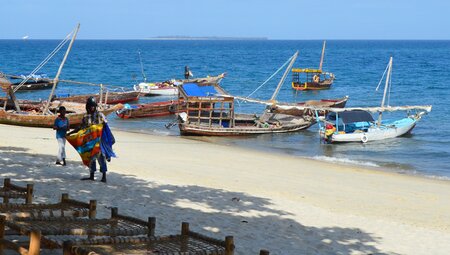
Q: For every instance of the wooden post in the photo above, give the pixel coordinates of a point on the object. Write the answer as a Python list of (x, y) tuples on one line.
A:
[(67, 246), (92, 209), (229, 245), (2, 226), (7, 186), (29, 198), (114, 212), (64, 197), (263, 252), (2, 231), (151, 226), (184, 236), (184, 228), (7, 183), (101, 97), (35, 242)]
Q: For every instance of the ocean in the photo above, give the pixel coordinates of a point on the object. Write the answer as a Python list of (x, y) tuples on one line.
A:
[(420, 75)]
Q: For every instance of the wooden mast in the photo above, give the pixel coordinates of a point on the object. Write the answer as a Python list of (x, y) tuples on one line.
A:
[(388, 78), (56, 80), (322, 56), (288, 69), (7, 87)]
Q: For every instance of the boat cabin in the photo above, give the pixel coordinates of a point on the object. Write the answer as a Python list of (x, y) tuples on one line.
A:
[(349, 121), (207, 105)]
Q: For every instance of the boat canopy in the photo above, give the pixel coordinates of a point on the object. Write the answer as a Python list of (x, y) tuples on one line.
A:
[(351, 116), (306, 70), (194, 90)]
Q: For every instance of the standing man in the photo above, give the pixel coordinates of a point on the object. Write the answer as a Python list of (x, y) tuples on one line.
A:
[(61, 126), (93, 117)]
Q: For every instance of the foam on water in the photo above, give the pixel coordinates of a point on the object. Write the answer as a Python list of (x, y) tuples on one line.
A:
[(344, 161)]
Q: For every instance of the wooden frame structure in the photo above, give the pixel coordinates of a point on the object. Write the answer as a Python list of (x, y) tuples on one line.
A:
[(188, 242), (10, 190), (67, 207)]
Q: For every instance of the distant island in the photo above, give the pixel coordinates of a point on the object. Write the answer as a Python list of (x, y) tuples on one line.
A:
[(206, 38)]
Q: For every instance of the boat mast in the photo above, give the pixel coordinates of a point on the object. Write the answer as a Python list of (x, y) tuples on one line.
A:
[(142, 67), (322, 56), (288, 69), (56, 80), (386, 85)]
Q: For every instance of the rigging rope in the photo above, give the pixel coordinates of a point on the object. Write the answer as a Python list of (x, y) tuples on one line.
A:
[(379, 83), (45, 61), (268, 79)]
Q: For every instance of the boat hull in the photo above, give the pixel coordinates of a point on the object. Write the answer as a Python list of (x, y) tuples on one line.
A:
[(375, 133), (45, 121), (149, 110), (33, 86), (247, 126), (110, 97), (326, 84)]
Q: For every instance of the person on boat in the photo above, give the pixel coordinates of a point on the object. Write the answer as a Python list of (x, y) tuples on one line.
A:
[(316, 78), (187, 72), (329, 131), (93, 117), (61, 126)]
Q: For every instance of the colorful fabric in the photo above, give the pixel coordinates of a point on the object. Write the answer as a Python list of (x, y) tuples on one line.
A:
[(107, 142), (87, 142)]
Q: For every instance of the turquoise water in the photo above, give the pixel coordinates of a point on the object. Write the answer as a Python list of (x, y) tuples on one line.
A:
[(420, 76)]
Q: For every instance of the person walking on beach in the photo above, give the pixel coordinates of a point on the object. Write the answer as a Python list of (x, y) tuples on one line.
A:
[(61, 126), (93, 117)]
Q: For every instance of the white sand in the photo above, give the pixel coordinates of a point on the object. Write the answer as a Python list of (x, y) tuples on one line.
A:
[(284, 204)]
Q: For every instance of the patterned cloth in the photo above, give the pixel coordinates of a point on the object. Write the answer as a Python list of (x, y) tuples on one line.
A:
[(87, 142)]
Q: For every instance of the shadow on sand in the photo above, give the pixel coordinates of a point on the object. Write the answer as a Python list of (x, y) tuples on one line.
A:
[(213, 212)]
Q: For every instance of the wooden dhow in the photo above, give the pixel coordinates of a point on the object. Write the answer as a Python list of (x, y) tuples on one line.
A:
[(43, 114), (156, 109), (107, 97), (210, 111), (312, 79)]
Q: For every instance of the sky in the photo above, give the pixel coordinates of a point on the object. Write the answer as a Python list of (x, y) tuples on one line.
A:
[(281, 19)]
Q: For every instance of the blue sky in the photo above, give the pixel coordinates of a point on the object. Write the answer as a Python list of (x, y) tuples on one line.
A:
[(282, 19)]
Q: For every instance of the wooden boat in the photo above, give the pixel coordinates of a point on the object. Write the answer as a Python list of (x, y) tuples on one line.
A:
[(32, 83), (312, 79), (107, 97), (170, 88), (358, 125), (149, 110), (286, 109), (43, 114), (210, 111), (35, 118)]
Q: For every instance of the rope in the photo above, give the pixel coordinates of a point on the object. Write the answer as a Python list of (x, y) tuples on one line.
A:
[(379, 83), (279, 69), (45, 61)]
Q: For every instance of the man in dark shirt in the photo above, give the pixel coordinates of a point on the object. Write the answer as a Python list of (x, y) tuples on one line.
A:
[(93, 117)]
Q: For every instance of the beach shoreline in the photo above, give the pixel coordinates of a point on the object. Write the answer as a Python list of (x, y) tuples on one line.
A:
[(283, 203)]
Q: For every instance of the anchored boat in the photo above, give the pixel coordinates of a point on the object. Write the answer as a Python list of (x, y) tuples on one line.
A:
[(358, 124), (210, 111), (312, 79)]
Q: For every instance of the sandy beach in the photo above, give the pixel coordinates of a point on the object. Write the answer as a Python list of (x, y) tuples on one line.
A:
[(285, 204)]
